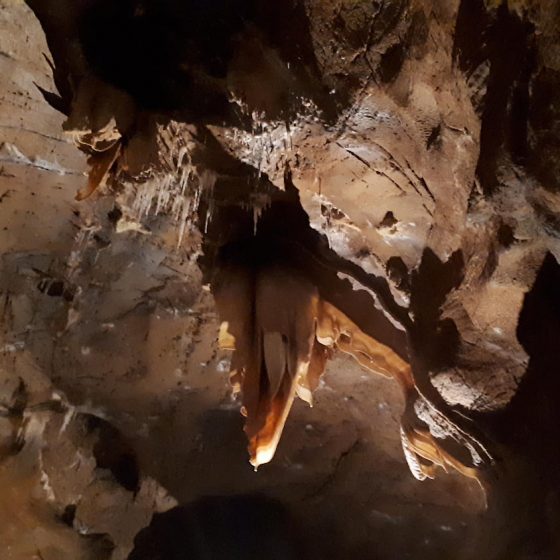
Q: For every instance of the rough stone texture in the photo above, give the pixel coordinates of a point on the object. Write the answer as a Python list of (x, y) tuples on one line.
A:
[(422, 141)]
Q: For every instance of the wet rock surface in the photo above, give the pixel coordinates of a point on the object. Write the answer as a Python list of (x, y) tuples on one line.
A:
[(401, 155)]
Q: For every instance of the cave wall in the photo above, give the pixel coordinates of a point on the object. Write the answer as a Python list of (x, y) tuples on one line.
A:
[(420, 139)]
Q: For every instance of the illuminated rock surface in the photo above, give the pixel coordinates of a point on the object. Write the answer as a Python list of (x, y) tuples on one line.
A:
[(294, 197)]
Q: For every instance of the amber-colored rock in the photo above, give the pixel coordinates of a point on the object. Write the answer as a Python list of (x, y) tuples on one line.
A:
[(321, 178)]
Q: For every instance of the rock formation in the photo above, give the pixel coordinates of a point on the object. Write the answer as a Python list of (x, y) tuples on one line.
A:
[(208, 208)]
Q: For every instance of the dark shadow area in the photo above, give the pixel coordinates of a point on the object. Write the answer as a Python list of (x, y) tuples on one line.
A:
[(470, 48), (394, 57), (219, 528), (544, 141), (524, 501), (112, 452), (167, 54), (434, 338), (175, 56), (539, 333), (507, 43)]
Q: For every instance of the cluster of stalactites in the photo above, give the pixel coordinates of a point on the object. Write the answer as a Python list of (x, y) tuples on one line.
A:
[(282, 333)]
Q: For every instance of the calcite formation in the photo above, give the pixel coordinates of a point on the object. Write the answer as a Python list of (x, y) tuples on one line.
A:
[(282, 334), (295, 194)]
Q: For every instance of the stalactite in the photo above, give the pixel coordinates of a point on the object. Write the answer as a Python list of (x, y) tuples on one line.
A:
[(282, 334)]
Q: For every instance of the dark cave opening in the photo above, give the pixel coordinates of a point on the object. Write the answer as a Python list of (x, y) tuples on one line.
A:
[(165, 54), (244, 527)]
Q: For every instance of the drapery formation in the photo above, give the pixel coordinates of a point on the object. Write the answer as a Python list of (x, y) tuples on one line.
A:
[(282, 334)]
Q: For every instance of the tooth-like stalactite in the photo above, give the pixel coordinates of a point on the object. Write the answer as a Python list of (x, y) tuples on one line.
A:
[(100, 165), (100, 114), (282, 334), (269, 318), (272, 324)]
